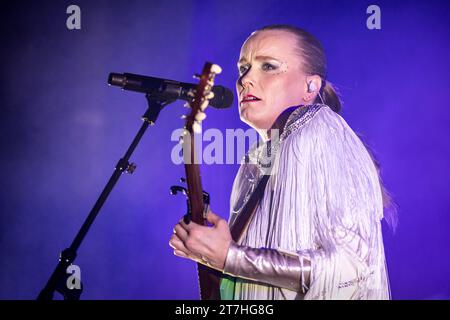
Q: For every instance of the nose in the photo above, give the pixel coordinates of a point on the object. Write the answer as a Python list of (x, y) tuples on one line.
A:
[(246, 79)]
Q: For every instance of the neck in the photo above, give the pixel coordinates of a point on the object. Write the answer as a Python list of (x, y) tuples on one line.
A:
[(280, 122)]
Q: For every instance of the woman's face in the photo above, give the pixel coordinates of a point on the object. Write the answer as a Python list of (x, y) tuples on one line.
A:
[(271, 71)]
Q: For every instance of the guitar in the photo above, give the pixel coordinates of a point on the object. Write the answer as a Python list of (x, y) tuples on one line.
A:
[(198, 200)]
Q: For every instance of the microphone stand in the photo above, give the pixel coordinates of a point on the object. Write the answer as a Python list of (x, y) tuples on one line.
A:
[(59, 278)]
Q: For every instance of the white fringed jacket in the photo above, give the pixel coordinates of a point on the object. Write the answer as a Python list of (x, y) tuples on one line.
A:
[(323, 203)]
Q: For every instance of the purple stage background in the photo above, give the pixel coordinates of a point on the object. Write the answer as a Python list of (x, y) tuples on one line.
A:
[(63, 130)]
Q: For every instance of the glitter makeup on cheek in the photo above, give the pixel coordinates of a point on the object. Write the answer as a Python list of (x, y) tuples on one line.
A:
[(283, 68)]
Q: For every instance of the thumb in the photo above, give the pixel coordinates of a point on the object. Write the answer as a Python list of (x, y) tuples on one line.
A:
[(212, 218)]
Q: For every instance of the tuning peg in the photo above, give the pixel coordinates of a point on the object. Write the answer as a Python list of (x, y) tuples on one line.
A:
[(204, 105), (191, 93), (182, 179), (196, 127), (210, 95), (216, 69), (196, 76), (184, 133), (200, 116)]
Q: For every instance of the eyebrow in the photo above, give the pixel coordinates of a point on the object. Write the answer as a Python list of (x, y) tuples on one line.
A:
[(257, 58)]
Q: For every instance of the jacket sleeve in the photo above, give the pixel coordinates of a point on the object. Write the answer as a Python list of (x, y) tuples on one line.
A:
[(269, 266)]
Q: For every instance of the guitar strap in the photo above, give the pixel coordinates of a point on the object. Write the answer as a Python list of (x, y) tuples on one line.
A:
[(244, 218), (217, 280), (237, 229), (226, 284)]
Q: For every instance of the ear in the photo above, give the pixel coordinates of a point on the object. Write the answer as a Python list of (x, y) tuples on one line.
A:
[(313, 84)]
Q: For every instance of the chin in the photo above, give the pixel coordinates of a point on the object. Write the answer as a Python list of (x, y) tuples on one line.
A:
[(255, 122)]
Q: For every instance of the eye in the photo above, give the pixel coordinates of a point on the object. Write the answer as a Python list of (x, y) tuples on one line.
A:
[(243, 69), (267, 66)]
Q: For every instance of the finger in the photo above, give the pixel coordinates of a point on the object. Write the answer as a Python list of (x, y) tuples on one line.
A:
[(181, 232), (180, 253), (177, 244), (213, 218), (187, 218), (173, 241), (188, 227)]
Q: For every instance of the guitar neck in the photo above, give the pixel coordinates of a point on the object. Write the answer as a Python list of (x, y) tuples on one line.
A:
[(195, 193), (208, 278)]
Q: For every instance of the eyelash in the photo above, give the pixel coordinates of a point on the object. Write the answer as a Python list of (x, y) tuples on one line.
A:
[(265, 66), (272, 67)]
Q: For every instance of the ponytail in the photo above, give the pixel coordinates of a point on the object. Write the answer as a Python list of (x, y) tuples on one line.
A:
[(330, 97)]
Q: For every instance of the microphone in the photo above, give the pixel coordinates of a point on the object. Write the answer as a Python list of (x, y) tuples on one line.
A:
[(168, 89)]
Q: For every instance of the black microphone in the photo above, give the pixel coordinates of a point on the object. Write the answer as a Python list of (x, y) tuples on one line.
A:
[(168, 89)]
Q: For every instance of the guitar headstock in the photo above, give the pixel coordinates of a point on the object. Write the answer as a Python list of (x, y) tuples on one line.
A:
[(201, 97)]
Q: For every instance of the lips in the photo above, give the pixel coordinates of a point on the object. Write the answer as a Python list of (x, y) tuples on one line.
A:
[(249, 98)]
